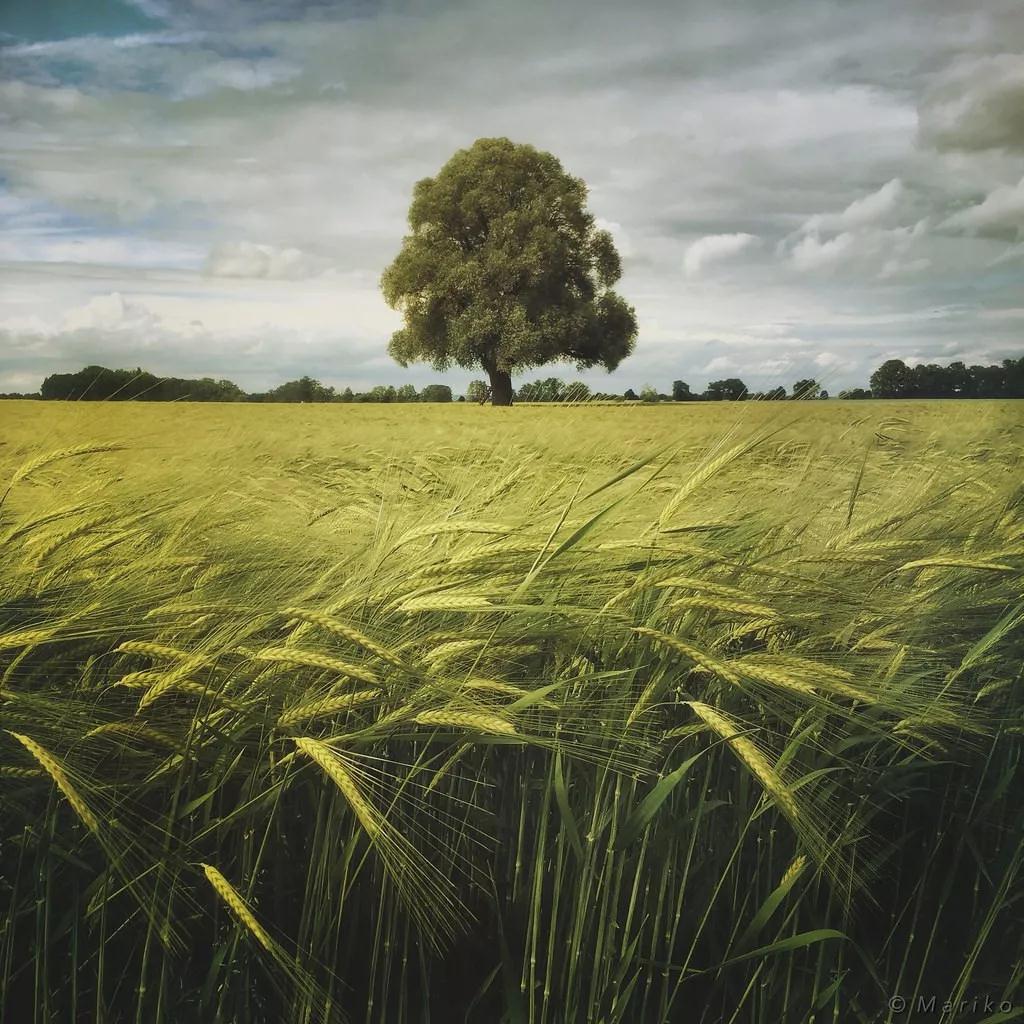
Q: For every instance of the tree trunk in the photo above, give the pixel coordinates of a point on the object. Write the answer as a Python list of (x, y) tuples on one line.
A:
[(501, 387)]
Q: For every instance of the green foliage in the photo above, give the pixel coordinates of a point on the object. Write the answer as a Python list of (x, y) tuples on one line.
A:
[(552, 389), (732, 389), (891, 380), (504, 269), (436, 393), (305, 389), (98, 384), (808, 387)]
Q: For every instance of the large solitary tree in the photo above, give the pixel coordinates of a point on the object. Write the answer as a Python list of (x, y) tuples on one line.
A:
[(504, 269)]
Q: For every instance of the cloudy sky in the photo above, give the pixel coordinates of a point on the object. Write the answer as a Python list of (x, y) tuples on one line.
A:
[(212, 187)]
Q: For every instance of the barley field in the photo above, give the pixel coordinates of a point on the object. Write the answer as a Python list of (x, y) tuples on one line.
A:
[(439, 714)]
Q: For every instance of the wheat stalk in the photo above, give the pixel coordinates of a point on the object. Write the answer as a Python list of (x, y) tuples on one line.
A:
[(703, 473), (53, 768), (451, 649), (313, 659), (163, 652), (350, 633), (334, 768), (748, 753), (46, 459), (698, 657), (142, 679), (25, 638), (793, 871), (479, 721), (448, 602), (134, 729), (227, 892), (326, 706), (14, 772)]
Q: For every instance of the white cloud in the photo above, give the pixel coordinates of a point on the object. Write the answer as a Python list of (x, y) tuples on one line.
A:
[(812, 254), (239, 75), (862, 244), (1001, 211), (867, 210), (246, 259), (110, 313), (714, 249), (896, 267)]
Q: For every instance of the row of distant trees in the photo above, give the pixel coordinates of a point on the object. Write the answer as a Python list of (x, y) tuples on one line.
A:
[(100, 384), (893, 379)]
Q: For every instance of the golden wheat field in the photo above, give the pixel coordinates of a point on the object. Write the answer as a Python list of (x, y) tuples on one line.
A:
[(697, 713)]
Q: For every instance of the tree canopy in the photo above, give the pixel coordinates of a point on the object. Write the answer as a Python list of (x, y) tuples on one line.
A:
[(806, 387), (504, 269), (731, 389)]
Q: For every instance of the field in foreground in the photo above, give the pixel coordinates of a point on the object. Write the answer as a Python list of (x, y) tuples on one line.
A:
[(447, 714)]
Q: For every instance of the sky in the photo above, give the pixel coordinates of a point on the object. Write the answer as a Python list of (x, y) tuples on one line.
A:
[(801, 188)]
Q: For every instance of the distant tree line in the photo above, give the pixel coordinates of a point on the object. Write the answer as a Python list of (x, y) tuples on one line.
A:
[(893, 379), (100, 384)]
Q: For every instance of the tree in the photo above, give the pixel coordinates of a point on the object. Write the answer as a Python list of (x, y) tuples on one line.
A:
[(929, 380), (855, 394), (476, 392), (577, 391), (1013, 378), (100, 384), (406, 393), (806, 388), (732, 389), (681, 391), (305, 389), (892, 380), (961, 382), (648, 393), (436, 393), (629, 395), (823, 394), (551, 389), (504, 269), (987, 381)]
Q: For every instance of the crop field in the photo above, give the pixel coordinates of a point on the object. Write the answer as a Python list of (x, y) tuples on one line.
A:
[(432, 714)]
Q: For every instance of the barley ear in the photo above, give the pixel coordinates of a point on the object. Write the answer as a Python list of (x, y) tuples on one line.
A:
[(53, 768), (227, 892)]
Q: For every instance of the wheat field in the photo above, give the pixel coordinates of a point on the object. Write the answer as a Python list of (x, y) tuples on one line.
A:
[(694, 713)]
